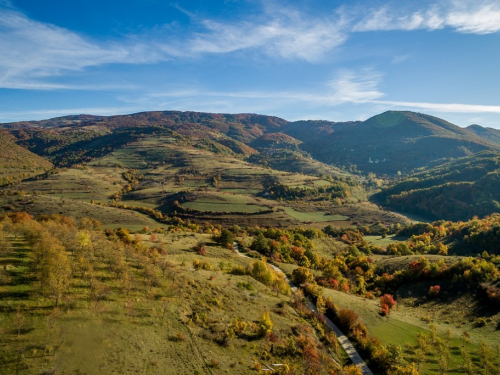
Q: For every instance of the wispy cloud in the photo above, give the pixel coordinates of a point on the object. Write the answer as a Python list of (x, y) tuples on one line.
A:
[(35, 52), (280, 31), (474, 17), (350, 86), (481, 17), (444, 107), (354, 87)]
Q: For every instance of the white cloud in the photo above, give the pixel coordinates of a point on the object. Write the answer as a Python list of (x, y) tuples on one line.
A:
[(476, 17), (347, 86), (33, 50), (444, 107), (282, 32), (355, 87)]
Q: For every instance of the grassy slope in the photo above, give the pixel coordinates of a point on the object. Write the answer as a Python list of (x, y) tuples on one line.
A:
[(407, 321), (17, 163), (149, 332), (110, 217)]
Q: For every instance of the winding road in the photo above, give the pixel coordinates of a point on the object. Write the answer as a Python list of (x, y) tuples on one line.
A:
[(344, 341)]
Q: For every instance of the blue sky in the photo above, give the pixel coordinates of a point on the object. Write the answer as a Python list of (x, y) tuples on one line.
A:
[(309, 59)]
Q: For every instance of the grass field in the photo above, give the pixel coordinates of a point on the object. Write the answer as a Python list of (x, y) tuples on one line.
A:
[(225, 203), (317, 217), (379, 241)]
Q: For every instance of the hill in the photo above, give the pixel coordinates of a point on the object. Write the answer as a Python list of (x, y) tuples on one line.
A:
[(17, 163), (490, 134), (396, 142), (457, 190)]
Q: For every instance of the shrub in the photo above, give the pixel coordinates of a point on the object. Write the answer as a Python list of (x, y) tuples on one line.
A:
[(302, 275), (347, 319), (238, 270), (434, 290), (260, 272), (387, 302), (246, 285), (214, 363), (201, 265), (200, 248)]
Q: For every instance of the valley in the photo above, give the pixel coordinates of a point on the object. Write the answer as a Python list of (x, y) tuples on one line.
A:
[(117, 233)]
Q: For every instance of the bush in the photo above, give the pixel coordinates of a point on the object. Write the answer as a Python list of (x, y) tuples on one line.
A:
[(246, 285), (302, 275), (200, 248), (347, 319), (238, 270), (434, 290), (387, 302), (201, 265)]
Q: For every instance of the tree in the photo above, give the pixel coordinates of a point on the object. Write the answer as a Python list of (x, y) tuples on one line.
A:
[(352, 370), (98, 291), (467, 365), (320, 305), (5, 246), (164, 264), (404, 370), (54, 273), (466, 339), (265, 324), (485, 355), (225, 238), (302, 275)]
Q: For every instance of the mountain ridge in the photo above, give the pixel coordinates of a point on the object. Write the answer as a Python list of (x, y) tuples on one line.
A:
[(387, 143)]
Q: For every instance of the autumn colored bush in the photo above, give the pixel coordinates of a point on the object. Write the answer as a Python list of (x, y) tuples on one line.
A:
[(347, 318), (302, 275), (434, 290), (387, 302)]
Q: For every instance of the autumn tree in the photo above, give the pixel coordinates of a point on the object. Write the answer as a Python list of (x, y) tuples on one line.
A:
[(54, 273), (320, 305), (404, 370), (265, 324)]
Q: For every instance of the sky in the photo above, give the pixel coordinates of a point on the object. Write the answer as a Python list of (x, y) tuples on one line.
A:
[(303, 59)]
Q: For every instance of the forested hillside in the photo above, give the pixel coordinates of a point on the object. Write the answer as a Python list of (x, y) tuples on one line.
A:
[(395, 142), (457, 190)]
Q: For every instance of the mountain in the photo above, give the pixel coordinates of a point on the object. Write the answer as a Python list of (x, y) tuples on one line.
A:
[(388, 143), (396, 141), (456, 190), (311, 130), (490, 134), (57, 122)]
